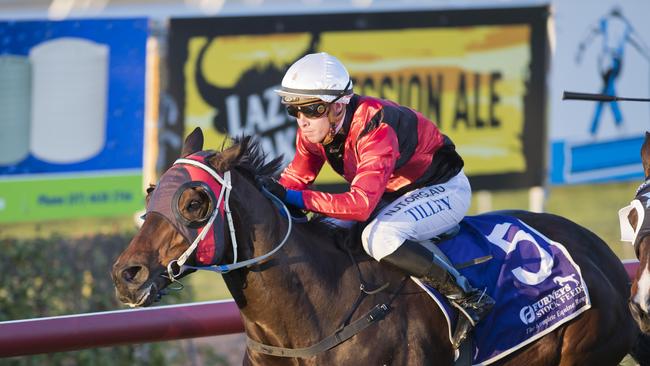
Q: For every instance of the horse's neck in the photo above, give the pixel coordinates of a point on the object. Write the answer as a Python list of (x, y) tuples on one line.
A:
[(307, 285)]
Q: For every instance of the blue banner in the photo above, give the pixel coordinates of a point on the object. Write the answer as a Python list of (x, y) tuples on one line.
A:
[(72, 115), (125, 40)]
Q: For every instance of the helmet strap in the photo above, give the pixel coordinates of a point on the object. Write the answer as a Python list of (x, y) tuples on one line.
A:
[(334, 119), (330, 136)]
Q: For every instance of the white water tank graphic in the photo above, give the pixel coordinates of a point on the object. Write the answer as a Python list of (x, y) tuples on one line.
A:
[(69, 96), (15, 84)]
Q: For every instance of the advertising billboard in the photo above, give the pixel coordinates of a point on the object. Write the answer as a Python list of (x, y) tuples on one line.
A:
[(479, 74), (72, 97), (601, 48)]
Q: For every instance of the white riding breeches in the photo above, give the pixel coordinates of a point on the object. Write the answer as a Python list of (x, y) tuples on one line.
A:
[(418, 215)]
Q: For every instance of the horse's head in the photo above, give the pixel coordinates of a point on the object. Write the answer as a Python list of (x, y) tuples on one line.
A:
[(187, 213), (635, 228)]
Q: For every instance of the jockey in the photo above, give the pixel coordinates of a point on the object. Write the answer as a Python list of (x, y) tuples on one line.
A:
[(402, 171)]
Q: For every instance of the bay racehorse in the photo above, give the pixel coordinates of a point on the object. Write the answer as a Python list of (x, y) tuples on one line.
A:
[(296, 285)]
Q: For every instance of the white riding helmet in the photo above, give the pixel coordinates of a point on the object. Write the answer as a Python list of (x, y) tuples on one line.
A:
[(316, 76)]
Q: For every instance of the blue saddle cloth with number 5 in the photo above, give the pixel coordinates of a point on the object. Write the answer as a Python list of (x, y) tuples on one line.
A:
[(536, 284)]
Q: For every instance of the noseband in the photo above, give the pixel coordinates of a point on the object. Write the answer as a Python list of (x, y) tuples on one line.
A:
[(223, 198)]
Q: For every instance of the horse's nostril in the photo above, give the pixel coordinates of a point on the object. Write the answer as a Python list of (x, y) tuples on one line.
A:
[(129, 273)]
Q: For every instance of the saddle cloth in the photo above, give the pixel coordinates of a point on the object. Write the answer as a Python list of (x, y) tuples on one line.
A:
[(535, 282)]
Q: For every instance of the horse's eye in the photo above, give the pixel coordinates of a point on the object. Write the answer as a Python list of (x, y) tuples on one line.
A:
[(193, 205)]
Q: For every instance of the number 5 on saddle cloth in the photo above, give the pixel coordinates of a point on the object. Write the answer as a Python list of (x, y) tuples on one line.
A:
[(536, 284)]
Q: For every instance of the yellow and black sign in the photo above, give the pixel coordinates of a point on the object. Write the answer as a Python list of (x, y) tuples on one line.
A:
[(479, 74)]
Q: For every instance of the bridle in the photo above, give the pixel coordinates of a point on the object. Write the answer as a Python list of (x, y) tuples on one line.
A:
[(223, 198)]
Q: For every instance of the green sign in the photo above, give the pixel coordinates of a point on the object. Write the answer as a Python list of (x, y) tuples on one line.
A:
[(61, 198)]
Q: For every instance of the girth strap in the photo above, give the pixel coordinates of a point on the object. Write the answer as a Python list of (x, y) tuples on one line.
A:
[(375, 314)]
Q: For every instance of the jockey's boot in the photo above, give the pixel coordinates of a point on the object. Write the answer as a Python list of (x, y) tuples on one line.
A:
[(435, 270)]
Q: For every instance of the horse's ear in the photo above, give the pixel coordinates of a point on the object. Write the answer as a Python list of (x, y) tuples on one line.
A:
[(228, 157), (193, 143)]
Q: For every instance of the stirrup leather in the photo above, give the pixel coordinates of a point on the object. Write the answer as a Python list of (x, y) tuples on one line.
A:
[(462, 330)]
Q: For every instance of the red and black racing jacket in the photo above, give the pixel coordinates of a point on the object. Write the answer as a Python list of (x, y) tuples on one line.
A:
[(382, 148)]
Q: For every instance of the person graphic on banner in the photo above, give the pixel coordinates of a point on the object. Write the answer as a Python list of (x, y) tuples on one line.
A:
[(403, 172), (616, 32)]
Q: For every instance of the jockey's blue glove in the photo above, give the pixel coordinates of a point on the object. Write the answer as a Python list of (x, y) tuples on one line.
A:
[(294, 198)]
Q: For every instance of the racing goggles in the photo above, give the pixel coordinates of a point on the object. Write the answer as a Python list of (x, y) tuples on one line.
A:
[(314, 110)]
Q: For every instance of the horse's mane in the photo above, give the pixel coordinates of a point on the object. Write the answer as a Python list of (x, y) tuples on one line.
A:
[(253, 159), (252, 162)]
